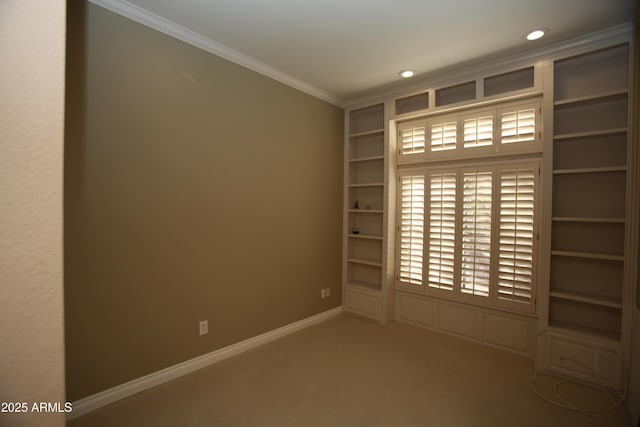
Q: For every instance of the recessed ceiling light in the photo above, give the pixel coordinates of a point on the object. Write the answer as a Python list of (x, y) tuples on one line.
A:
[(537, 34), (406, 74)]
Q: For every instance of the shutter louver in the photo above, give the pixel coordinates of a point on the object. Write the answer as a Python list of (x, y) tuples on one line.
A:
[(476, 233), (516, 235), (478, 132), (518, 126), (443, 136), (412, 140), (412, 229), (442, 224)]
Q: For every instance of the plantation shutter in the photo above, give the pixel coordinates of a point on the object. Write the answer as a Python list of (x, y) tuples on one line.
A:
[(478, 132), (443, 136), (517, 206), (518, 125), (411, 229), (442, 230), (476, 233), (412, 139)]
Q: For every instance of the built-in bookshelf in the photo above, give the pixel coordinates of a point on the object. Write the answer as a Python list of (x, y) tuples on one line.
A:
[(364, 211), (590, 114)]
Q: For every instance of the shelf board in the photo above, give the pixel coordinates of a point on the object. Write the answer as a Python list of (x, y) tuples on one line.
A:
[(601, 132), (365, 262), (590, 170), (588, 299), (371, 286), (590, 255), (367, 133), (369, 184), (365, 236), (366, 159), (589, 98), (366, 211), (585, 330), (585, 219)]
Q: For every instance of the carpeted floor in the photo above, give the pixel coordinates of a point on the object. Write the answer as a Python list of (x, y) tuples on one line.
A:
[(349, 372)]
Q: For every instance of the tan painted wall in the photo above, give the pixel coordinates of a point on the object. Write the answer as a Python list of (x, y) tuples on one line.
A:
[(194, 189), (32, 38)]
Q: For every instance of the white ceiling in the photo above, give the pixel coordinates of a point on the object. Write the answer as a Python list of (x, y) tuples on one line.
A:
[(346, 48)]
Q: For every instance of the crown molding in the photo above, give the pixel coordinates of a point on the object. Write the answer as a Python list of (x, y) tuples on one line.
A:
[(458, 73), (158, 23)]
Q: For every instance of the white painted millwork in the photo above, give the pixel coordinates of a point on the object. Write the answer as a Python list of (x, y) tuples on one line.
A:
[(365, 281), (508, 331), (594, 219), (555, 128)]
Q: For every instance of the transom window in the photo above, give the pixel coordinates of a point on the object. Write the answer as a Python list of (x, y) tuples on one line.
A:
[(509, 128)]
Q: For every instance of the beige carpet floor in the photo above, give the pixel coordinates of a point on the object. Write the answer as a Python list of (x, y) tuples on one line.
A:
[(349, 372)]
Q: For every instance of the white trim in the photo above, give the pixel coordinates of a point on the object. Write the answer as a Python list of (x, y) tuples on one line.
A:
[(470, 70), (151, 20), (107, 397)]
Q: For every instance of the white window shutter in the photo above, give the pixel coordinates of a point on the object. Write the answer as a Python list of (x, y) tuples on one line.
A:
[(443, 136), (412, 139), (476, 233), (442, 230), (517, 207), (411, 229), (518, 125), (478, 132)]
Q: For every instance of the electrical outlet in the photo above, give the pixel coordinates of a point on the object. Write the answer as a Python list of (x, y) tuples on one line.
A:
[(328, 293), (204, 327), (323, 293)]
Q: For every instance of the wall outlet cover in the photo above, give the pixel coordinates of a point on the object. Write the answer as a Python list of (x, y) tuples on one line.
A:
[(204, 327)]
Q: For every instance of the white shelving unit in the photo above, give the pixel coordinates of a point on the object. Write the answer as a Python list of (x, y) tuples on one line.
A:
[(588, 213), (589, 192), (364, 222), (590, 219)]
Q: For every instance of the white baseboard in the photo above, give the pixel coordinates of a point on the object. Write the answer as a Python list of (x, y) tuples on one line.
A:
[(107, 397)]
